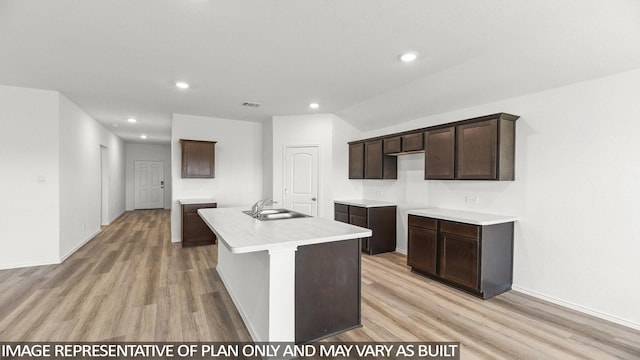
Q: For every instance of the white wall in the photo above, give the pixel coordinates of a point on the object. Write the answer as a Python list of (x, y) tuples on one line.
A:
[(148, 152), (303, 130), (80, 176), (29, 210), (330, 134), (267, 159), (238, 163), (576, 192), (50, 161)]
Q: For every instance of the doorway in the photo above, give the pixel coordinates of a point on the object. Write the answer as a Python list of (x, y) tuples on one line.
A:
[(148, 186), (301, 179)]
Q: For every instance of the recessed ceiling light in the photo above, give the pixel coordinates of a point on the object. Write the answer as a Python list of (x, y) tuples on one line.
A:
[(182, 85), (143, 136), (131, 120), (408, 57), (314, 105), (115, 125)]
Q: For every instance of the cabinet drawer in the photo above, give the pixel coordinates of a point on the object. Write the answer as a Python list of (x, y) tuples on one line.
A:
[(356, 210), (358, 220), (193, 208), (341, 208), (467, 230), (341, 216), (423, 222)]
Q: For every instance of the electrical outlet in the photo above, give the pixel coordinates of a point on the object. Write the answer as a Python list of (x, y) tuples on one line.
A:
[(472, 199)]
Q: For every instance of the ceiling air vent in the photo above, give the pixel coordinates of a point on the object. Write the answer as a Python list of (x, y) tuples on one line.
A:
[(251, 104)]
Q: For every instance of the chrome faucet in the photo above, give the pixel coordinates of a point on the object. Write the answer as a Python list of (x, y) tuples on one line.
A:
[(259, 205)]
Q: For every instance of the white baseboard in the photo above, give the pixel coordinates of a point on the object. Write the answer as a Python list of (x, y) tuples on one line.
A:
[(29, 264), (63, 258), (401, 251), (243, 314), (579, 308)]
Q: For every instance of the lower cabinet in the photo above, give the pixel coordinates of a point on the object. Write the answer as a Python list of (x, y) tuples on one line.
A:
[(194, 230), (381, 220), (477, 259)]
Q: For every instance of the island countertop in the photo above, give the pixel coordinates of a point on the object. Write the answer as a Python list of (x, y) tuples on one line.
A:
[(241, 233)]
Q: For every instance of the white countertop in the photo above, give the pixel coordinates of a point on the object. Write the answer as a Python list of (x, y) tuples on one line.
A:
[(241, 233), (364, 203), (467, 217), (196, 201)]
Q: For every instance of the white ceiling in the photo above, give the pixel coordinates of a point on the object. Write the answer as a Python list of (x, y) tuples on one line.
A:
[(119, 58)]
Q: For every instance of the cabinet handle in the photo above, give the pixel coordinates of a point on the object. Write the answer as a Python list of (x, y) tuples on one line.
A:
[(313, 198)]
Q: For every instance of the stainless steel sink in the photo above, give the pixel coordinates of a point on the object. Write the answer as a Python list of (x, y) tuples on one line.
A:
[(275, 214)]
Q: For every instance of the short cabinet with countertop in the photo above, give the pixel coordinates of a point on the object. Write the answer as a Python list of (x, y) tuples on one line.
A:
[(470, 251), (194, 230), (378, 216)]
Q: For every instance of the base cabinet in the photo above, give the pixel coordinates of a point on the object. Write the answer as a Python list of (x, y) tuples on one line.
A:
[(381, 221), (194, 230), (477, 259)]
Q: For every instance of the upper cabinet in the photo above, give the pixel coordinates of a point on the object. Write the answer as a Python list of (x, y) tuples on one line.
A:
[(356, 161), (486, 149), (440, 152), (198, 158), (404, 144), (368, 161), (481, 148), (377, 165)]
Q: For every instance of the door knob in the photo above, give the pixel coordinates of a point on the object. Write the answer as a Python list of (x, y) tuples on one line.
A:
[(313, 198)]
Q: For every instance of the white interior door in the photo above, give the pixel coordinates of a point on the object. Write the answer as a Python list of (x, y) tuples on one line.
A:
[(301, 179), (149, 185)]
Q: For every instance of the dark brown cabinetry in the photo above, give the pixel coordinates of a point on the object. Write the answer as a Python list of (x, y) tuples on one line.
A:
[(423, 244), (404, 144), (478, 259), (377, 165), (327, 290), (198, 158), (381, 220), (486, 149), (440, 154), (194, 230), (356, 161), (481, 148), (367, 161)]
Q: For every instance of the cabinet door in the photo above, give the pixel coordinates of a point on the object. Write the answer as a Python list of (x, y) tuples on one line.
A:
[(392, 145), (459, 260), (477, 150), (440, 154), (423, 249), (194, 230), (198, 159), (413, 142), (373, 159), (356, 161)]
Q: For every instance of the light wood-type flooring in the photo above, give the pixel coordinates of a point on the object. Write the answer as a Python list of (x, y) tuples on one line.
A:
[(130, 283)]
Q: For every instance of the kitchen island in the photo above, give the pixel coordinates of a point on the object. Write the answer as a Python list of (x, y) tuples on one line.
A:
[(293, 280)]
